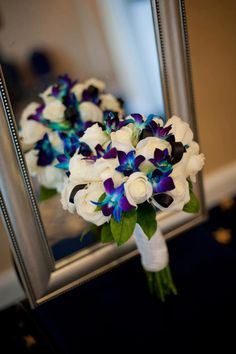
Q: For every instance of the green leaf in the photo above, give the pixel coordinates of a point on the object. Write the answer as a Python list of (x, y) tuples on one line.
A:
[(146, 218), (124, 229), (46, 193), (101, 198), (193, 206), (106, 235), (190, 183)]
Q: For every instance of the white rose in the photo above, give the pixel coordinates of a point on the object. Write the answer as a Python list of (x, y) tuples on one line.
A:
[(122, 139), (137, 188), (84, 206), (46, 95), (180, 195), (31, 159), (96, 83), (48, 176), (32, 131), (110, 103), (78, 89), (54, 111), (82, 171), (106, 168), (90, 112), (181, 130), (65, 196), (51, 177), (191, 163), (195, 164), (94, 135)]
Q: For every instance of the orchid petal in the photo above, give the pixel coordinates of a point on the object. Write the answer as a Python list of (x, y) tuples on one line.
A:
[(109, 186)]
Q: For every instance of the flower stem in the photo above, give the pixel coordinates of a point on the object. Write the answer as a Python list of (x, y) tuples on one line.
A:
[(161, 283)]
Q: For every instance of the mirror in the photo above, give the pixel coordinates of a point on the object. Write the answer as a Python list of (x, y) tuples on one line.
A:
[(81, 44), (139, 49)]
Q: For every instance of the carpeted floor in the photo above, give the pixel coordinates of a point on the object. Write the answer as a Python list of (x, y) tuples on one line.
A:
[(115, 313)]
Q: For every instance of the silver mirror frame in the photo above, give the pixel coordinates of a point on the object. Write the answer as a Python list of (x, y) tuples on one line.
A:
[(42, 277)]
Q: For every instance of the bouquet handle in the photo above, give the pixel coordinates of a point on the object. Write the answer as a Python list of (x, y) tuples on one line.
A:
[(155, 261)]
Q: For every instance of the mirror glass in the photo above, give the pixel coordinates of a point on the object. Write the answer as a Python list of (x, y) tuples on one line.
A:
[(112, 41)]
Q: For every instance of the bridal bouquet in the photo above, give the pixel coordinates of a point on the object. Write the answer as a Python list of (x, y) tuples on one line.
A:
[(54, 125), (123, 172)]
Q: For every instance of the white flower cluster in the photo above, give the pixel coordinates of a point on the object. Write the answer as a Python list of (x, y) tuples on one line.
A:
[(50, 116), (91, 174)]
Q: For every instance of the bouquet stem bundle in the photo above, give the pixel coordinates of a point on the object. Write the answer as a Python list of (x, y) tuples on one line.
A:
[(154, 258)]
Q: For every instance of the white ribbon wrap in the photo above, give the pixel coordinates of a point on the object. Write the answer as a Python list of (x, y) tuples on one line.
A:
[(154, 252)]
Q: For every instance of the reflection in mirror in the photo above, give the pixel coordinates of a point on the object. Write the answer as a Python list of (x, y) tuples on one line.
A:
[(111, 41)]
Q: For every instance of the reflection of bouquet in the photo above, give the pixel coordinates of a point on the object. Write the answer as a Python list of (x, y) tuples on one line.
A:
[(48, 128), (126, 170)]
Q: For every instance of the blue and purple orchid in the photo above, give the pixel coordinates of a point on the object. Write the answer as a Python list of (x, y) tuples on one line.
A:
[(141, 122), (115, 201), (161, 132), (71, 144), (108, 153), (46, 152), (161, 160), (129, 163), (91, 94), (112, 122), (161, 182), (159, 178), (63, 86)]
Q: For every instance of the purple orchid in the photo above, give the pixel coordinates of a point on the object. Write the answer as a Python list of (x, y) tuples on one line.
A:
[(112, 121), (46, 152), (37, 116), (161, 160), (91, 94), (161, 182), (80, 127), (128, 162), (161, 132), (62, 91), (108, 153), (142, 123), (63, 86), (115, 202), (72, 104), (71, 145)]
